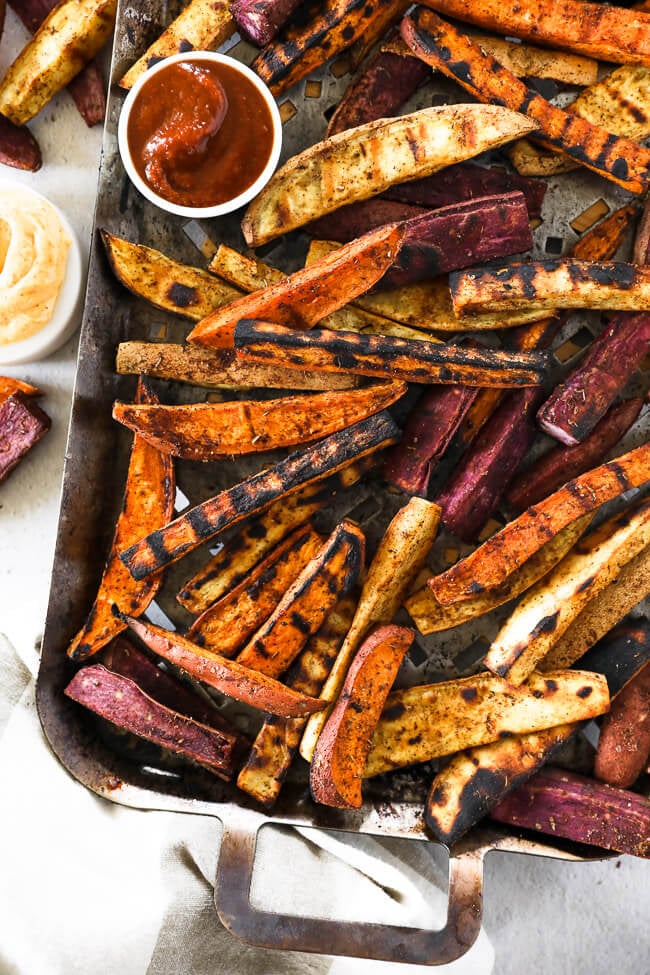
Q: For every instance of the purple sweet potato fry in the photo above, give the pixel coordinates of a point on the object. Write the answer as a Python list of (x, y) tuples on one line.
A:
[(578, 403), (353, 221), (427, 434), (467, 181), (561, 463), (458, 236), (485, 471), (260, 20), (22, 425), (624, 743), (18, 147), (574, 807), (379, 91), (121, 702)]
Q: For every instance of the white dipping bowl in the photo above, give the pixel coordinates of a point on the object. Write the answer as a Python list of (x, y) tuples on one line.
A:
[(66, 316), (219, 209)]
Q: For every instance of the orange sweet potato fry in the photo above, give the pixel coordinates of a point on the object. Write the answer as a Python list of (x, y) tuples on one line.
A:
[(9, 386)]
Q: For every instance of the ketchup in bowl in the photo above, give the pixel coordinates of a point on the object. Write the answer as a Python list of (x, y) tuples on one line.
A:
[(200, 132)]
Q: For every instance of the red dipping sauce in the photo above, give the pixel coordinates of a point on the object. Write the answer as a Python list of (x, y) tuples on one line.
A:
[(199, 133)]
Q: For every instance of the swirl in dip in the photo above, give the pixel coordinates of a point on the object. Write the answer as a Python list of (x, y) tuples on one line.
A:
[(33, 255)]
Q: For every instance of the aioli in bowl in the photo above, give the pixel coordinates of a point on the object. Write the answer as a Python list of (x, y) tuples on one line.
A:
[(200, 132)]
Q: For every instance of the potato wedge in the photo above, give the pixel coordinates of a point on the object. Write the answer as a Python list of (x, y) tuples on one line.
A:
[(304, 298), (397, 561), (433, 720), (562, 283), (148, 504), (202, 25), (329, 575), (257, 493), (546, 611), (209, 431), (68, 38), (217, 368), (163, 282), (506, 551), (342, 749), (431, 617), (310, 185)]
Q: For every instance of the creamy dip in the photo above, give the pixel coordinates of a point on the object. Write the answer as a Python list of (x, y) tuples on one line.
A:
[(33, 254)]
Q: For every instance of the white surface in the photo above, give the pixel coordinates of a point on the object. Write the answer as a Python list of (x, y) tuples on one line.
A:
[(61, 893)]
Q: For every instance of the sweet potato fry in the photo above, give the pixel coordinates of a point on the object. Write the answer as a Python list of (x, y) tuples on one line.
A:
[(602, 613), (624, 742), (22, 424), (576, 808), (329, 575), (356, 219), (310, 185), (431, 617), (545, 612), (385, 357), (344, 743), (304, 46), (226, 626), (442, 46), (260, 20), (307, 296), (506, 551), (18, 147), (620, 655), (209, 431), (474, 781), (227, 676), (561, 463), (397, 561), (228, 568), (9, 386), (202, 25), (277, 741), (596, 30), (122, 703), (217, 368), (558, 283), (257, 493), (378, 29), (148, 505), (163, 282), (433, 720), (68, 38)]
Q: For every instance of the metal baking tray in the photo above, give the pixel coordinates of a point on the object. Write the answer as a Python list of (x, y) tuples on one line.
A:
[(96, 457)]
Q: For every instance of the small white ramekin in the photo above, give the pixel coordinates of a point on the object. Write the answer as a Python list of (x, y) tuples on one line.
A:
[(218, 209), (66, 316)]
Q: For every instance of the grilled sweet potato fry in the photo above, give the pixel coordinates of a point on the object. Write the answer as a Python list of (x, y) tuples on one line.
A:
[(558, 283), (474, 781), (419, 144), (277, 741), (260, 20), (208, 431), (307, 296), (506, 551), (225, 626), (330, 574), (574, 807), (227, 676), (379, 91), (121, 702), (624, 742), (397, 561), (217, 368), (202, 25), (432, 720), (304, 46), (386, 357), (545, 612), (344, 743), (561, 463), (148, 504), (597, 30), (428, 432), (68, 38), (228, 568), (9, 386), (431, 617), (621, 654), (257, 493), (381, 27), (18, 147), (22, 424), (356, 219), (456, 55)]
